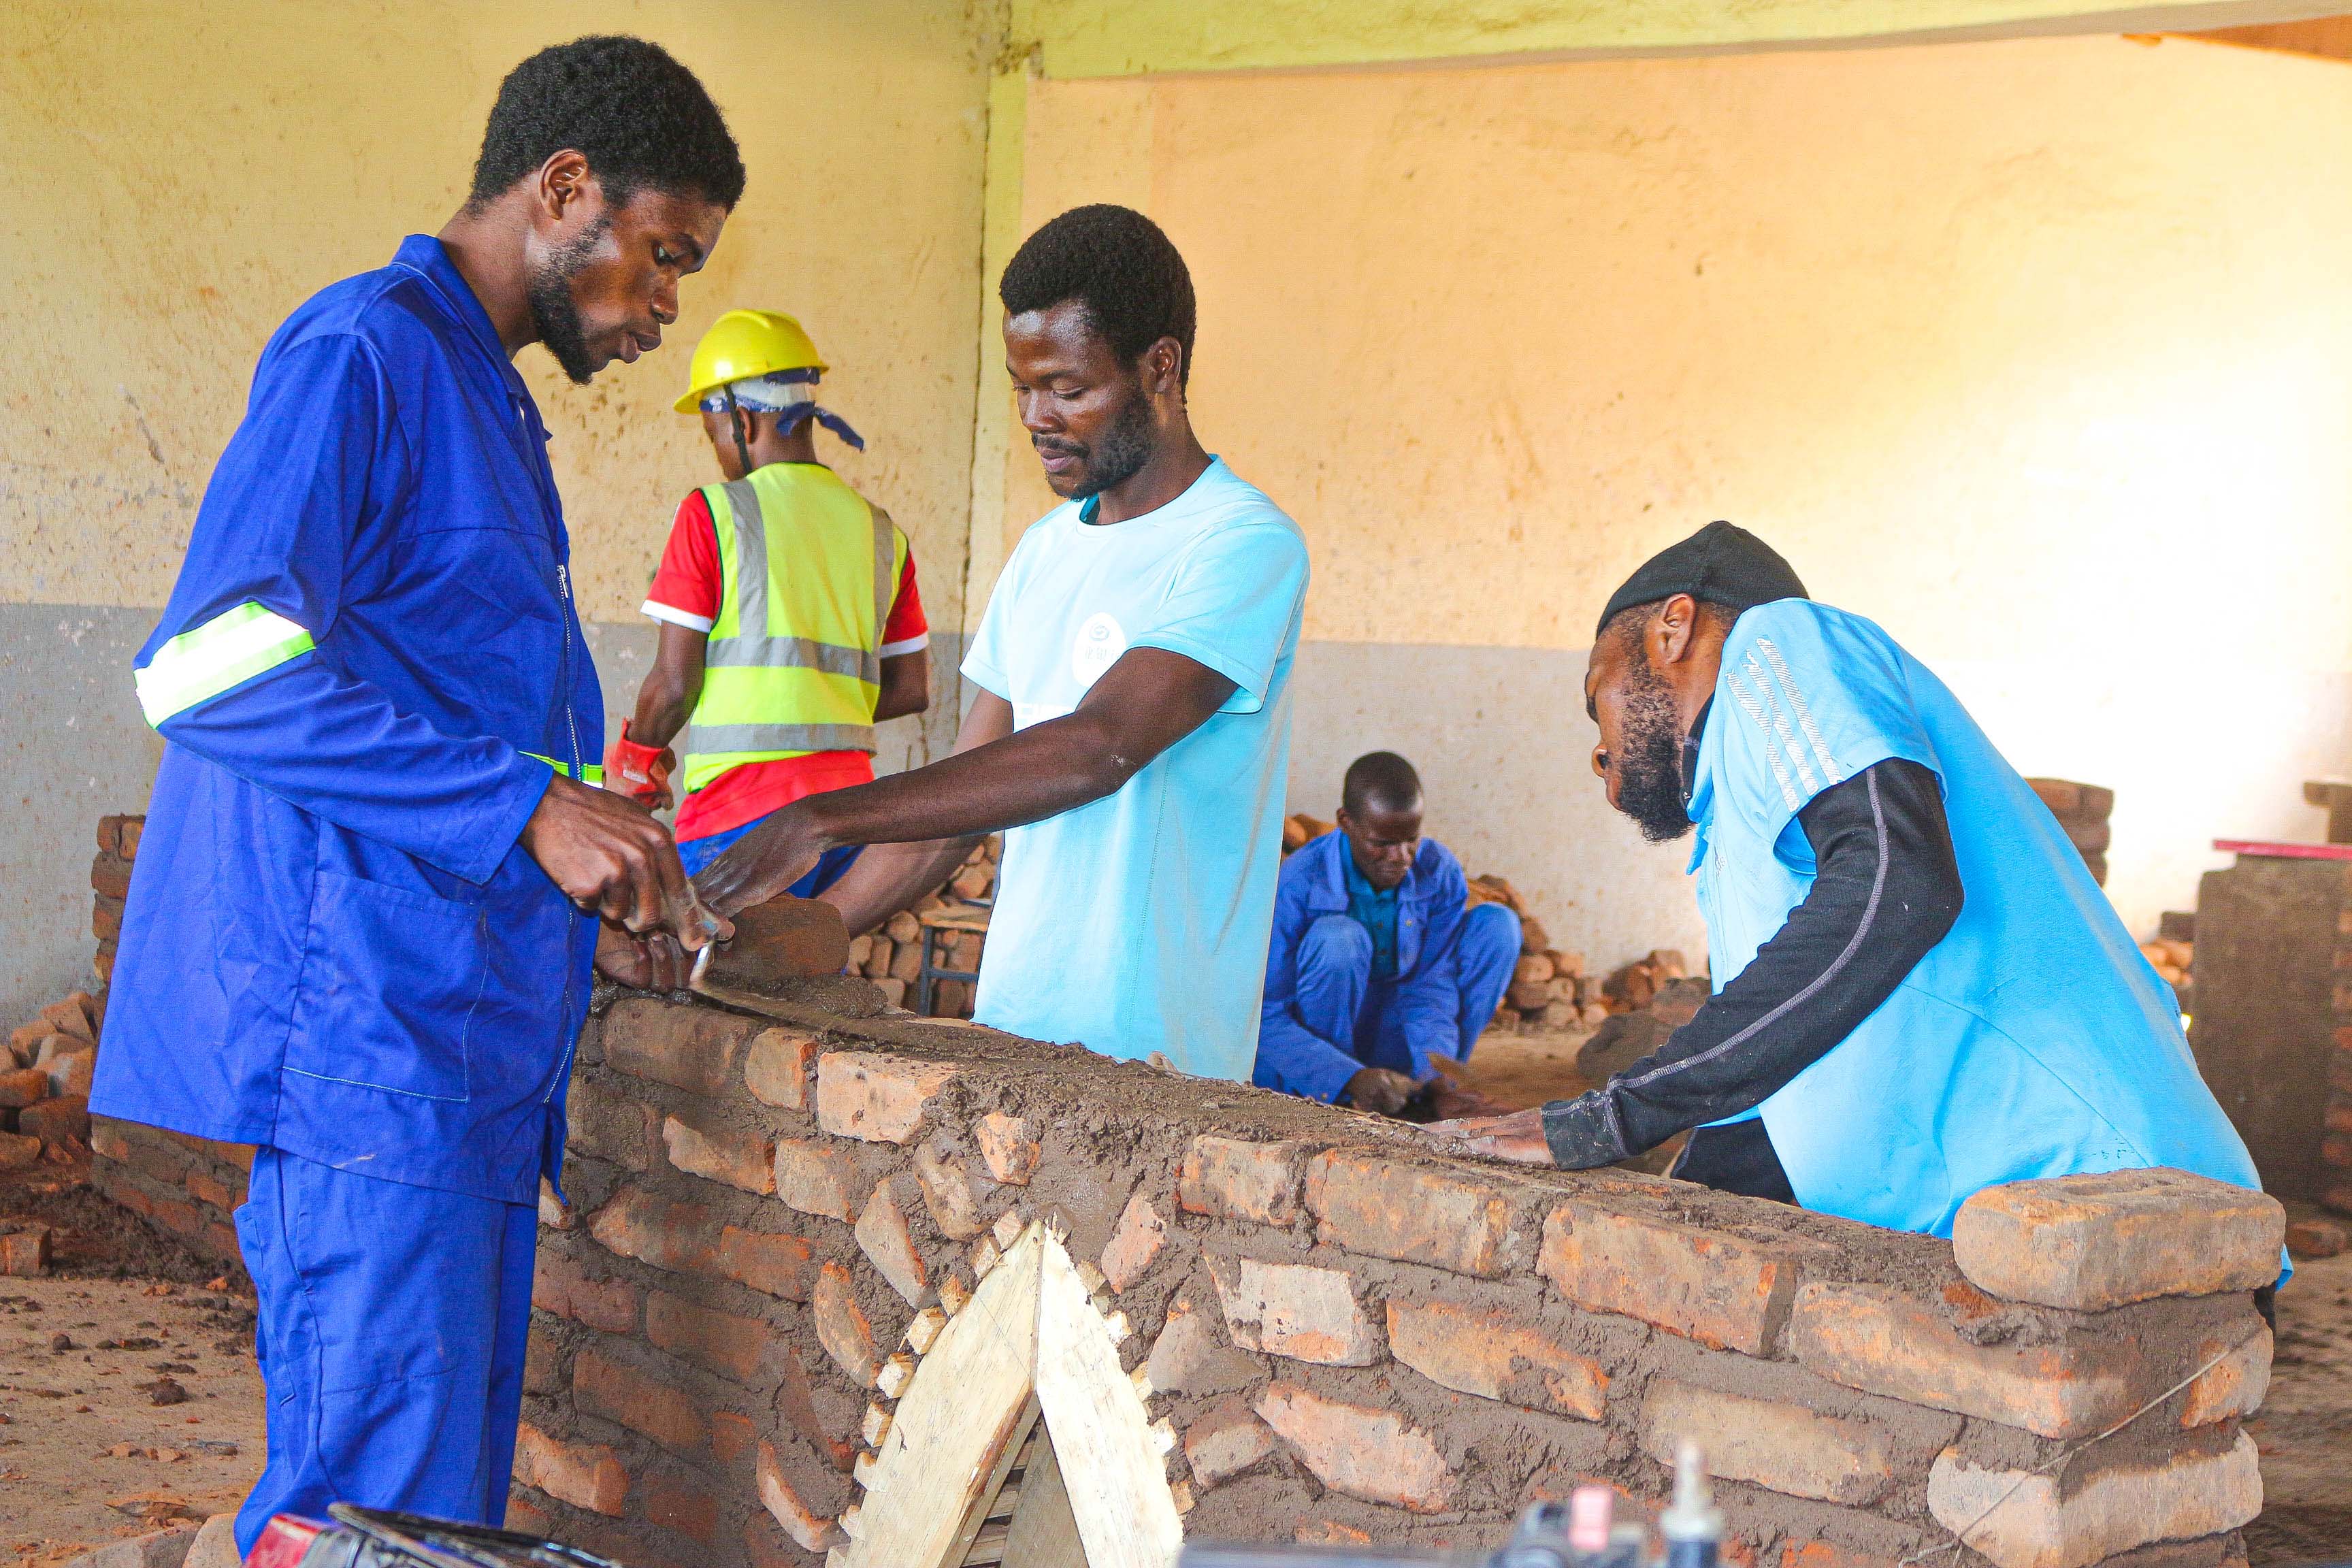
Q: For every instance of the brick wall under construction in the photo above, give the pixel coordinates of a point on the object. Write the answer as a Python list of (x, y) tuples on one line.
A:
[(825, 1281)]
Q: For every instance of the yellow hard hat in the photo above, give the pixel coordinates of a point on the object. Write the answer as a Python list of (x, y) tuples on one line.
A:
[(743, 343)]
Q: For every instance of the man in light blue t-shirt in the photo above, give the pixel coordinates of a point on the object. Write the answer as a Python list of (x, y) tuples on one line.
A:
[(1133, 725)]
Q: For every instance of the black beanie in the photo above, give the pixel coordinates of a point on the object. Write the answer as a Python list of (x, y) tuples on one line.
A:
[(1719, 564)]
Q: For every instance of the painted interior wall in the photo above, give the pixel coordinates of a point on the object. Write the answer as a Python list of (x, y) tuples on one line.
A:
[(2030, 350), (178, 178)]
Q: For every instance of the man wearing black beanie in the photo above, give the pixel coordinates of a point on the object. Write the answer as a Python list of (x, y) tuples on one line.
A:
[(1920, 992)]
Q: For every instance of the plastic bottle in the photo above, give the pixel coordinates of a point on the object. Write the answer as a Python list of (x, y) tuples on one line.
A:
[(1693, 1526)]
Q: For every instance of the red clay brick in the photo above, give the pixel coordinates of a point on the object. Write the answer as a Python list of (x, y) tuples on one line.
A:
[(1189, 1357), (1225, 1441), (1879, 1340), (109, 875), (775, 1262), (586, 1475), (543, 1362), (2021, 1519), (2236, 1384), (656, 1230), (725, 1342), (1783, 1447), (882, 1236), (1233, 1179), (615, 1127), (731, 1436), (1365, 1453), (678, 1044), (1295, 1309), (1134, 1245), (66, 1116), (22, 1086), (639, 1400), (2090, 1243), (876, 1097), (809, 1530), (842, 1327), (818, 1178), (560, 1286), (1008, 1145), (1495, 1353), (1720, 1290), (717, 1152), (776, 1067), (679, 1502), (1371, 1203)]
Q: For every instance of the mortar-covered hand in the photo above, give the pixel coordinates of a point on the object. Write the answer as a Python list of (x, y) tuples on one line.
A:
[(614, 861), (1379, 1091), (655, 962), (1518, 1137), (765, 863)]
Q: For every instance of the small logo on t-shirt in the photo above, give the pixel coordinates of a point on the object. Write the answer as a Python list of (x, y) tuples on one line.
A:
[(1097, 647)]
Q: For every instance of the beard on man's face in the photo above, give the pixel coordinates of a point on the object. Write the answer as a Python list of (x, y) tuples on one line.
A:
[(554, 313), (1117, 456), (1648, 759)]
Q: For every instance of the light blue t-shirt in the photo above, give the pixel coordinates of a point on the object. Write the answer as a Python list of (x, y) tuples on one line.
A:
[(2034, 1040), (1140, 923)]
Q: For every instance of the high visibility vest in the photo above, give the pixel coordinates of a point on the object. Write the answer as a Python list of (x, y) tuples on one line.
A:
[(793, 663)]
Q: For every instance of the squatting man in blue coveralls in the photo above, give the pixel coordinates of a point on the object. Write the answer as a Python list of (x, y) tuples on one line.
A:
[(362, 936), (1919, 990), (1376, 970)]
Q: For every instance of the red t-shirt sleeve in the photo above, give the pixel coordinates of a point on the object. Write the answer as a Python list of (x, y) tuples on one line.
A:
[(905, 631), (685, 585)]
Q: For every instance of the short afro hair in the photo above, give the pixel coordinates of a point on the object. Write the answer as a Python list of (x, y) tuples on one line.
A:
[(1380, 781), (640, 118), (1116, 263)]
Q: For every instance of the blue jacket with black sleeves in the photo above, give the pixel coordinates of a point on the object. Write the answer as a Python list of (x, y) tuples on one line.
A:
[(334, 944), (1430, 904)]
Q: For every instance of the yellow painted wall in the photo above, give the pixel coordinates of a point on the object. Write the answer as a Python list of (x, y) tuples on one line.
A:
[(178, 178), (2033, 350), (1126, 37)]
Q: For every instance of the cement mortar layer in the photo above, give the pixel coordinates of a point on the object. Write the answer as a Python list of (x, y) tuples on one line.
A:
[(1340, 1335)]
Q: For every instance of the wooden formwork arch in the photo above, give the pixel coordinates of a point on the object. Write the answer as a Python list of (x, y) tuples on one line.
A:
[(1030, 1349)]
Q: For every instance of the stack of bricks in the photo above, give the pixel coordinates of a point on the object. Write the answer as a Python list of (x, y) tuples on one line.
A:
[(109, 883), (2335, 1141), (892, 956), (1326, 1330), (183, 1187), (45, 1083), (2081, 811)]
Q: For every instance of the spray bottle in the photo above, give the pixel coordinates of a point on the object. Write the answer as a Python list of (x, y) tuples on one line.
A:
[(1693, 1526)]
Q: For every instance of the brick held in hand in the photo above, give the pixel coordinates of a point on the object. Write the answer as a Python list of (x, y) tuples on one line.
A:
[(784, 939)]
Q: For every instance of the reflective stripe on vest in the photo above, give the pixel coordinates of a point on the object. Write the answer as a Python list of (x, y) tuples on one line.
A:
[(793, 663)]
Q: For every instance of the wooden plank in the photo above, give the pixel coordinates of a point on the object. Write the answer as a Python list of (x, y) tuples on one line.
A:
[(1042, 1532), (977, 1516), (1109, 1460), (960, 1424)]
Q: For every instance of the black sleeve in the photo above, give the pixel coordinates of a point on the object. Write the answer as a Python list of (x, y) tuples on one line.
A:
[(1886, 889)]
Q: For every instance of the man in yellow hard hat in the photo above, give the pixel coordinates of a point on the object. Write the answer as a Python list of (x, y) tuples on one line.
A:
[(789, 623)]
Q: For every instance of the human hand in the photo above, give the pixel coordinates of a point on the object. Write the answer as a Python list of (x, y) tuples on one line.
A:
[(614, 861), (763, 864), (1517, 1137), (1379, 1090), (651, 962)]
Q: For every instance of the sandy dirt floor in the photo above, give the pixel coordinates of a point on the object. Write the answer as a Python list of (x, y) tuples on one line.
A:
[(129, 1396)]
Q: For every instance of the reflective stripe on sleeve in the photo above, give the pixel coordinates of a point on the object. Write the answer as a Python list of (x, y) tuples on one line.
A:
[(199, 665), (591, 773)]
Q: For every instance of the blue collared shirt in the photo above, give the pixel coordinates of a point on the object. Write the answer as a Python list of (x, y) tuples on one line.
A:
[(334, 944)]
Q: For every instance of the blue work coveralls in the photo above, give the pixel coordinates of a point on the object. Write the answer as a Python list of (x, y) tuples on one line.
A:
[(334, 947), (1326, 1016)]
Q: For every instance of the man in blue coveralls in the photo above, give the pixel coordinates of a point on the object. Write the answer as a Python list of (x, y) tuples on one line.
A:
[(1376, 971), (362, 934), (1919, 990)]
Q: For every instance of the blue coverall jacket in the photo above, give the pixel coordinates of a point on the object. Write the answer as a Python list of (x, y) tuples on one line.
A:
[(1426, 999), (334, 944)]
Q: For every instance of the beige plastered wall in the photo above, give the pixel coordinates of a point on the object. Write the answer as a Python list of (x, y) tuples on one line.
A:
[(2032, 351)]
